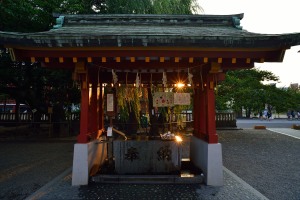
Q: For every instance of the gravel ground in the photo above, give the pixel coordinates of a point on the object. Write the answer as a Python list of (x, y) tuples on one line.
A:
[(26, 166), (268, 161)]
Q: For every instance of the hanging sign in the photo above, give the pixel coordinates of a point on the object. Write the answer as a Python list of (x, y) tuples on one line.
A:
[(182, 98), (163, 99), (110, 104), (109, 131)]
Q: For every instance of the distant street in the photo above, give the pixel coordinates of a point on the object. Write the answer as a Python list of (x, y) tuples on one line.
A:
[(274, 123)]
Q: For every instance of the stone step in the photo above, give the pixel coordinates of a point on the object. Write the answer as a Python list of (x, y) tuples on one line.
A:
[(189, 174), (185, 178)]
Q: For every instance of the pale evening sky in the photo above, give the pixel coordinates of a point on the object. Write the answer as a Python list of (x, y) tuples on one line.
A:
[(266, 16)]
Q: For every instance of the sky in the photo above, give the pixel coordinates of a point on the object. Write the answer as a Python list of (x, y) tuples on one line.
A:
[(266, 16)]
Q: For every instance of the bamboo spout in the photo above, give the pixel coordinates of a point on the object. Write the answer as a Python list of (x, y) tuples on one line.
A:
[(120, 133)]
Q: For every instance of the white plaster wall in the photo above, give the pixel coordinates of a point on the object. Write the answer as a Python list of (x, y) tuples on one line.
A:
[(208, 157), (86, 160)]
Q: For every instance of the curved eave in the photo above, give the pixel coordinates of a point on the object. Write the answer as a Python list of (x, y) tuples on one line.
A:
[(257, 41)]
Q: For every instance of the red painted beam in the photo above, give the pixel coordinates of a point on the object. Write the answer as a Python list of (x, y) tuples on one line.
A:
[(273, 55)]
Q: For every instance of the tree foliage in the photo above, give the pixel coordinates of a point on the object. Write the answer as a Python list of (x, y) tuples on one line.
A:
[(80, 6), (26, 15), (31, 84), (37, 15), (244, 89), (151, 7)]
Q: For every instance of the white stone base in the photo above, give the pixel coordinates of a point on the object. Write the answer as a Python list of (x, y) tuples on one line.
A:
[(208, 157), (86, 160)]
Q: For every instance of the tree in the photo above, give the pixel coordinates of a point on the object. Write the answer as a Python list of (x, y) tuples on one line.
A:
[(37, 15), (151, 7), (176, 7), (35, 86), (81, 6), (243, 89), (27, 16), (28, 82)]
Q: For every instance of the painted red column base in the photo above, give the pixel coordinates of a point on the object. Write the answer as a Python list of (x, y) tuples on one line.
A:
[(82, 139), (209, 138)]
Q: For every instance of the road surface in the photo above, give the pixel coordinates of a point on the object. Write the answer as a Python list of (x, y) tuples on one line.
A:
[(274, 123)]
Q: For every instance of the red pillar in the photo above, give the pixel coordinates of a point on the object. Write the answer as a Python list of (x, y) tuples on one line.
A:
[(93, 109), (84, 109), (211, 111), (100, 113), (202, 112), (205, 128), (196, 110)]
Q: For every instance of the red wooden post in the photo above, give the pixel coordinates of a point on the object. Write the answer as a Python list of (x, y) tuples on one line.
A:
[(93, 112), (100, 105), (196, 111), (84, 109), (211, 111), (201, 112), (204, 102)]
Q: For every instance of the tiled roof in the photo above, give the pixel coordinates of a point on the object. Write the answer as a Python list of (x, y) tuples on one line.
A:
[(215, 31)]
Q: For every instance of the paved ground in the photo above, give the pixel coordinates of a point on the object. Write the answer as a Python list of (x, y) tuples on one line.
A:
[(27, 165), (234, 188), (258, 164), (273, 123), (268, 161)]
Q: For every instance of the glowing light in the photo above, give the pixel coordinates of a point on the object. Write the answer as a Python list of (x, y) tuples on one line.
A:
[(187, 175), (178, 138), (179, 85)]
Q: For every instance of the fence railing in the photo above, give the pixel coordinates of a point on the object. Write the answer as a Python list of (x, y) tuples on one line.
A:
[(28, 117), (222, 119), (225, 120)]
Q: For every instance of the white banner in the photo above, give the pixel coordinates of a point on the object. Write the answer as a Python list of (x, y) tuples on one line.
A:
[(182, 98)]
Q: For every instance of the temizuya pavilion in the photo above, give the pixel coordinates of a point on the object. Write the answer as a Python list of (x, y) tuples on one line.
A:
[(92, 45)]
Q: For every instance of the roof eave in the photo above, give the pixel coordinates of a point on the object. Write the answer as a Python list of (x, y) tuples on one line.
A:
[(284, 41)]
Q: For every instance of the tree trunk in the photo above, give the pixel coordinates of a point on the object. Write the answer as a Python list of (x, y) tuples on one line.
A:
[(248, 112)]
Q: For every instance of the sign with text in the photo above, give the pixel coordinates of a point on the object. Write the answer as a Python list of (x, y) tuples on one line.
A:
[(182, 98), (110, 104), (163, 99)]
